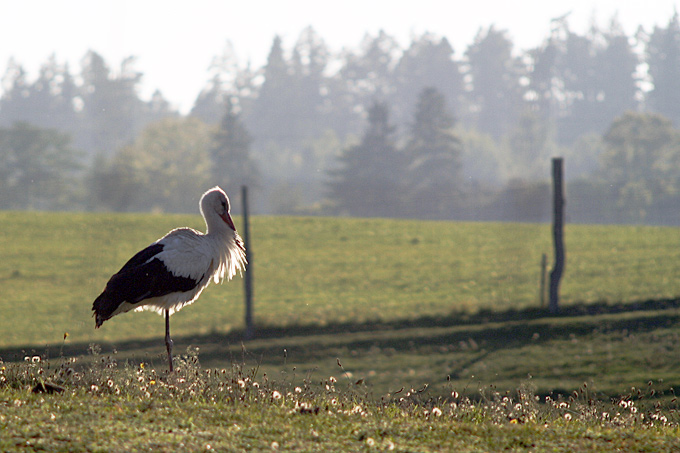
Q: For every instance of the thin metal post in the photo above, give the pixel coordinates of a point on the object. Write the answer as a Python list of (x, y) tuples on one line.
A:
[(558, 235), (248, 275)]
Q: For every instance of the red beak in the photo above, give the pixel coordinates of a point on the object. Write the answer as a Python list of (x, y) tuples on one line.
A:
[(227, 219)]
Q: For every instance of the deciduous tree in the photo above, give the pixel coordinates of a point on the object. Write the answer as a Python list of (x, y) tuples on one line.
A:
[(37, 168), (641, 161), (163, 169)]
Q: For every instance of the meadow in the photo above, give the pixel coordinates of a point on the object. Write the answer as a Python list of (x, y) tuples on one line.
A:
[(402, 315), (320, 271)]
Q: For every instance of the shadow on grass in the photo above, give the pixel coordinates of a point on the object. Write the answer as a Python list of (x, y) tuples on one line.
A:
[(493, 329)]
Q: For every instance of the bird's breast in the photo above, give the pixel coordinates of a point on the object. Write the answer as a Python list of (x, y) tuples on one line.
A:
[(190, 257)]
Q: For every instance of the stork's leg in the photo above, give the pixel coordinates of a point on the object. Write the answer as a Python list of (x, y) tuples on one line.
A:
[(168, 340)]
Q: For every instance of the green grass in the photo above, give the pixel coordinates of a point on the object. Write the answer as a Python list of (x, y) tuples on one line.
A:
[(319, 271), (112, 407), (399, 314), (395, 300), (401, 303)]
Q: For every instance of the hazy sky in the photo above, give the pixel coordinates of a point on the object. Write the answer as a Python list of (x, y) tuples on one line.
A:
[(175, 41)]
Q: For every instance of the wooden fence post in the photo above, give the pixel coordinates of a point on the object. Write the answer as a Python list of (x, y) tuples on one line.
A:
[(248, 275), (558, 235)]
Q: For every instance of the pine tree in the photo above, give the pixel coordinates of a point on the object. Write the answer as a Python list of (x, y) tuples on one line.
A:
[(496, 90), (232, 164), (581, 83), (617, 76), (368, 180), (46, 103), (271, 115), (428, 62), (663, 58), (113, 114), (434, 153), (209, 103), (366, 75)]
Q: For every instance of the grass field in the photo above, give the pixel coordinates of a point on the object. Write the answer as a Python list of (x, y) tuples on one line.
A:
[(108, 407), (318, 271), (401, 307)]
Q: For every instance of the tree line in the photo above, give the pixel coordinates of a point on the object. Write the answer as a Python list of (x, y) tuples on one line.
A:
[(376, 130)]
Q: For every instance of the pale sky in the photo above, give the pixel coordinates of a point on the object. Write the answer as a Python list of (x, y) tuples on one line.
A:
[(175, 41)]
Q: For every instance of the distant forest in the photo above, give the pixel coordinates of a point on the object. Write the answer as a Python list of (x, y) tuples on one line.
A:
[(429, 131)]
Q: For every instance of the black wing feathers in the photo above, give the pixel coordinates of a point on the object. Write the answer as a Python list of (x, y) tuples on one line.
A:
[(142, 256), (142, 277)]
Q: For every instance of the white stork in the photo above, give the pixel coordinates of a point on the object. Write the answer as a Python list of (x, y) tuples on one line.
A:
[(172, 272)]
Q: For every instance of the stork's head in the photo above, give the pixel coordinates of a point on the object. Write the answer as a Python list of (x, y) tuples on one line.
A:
[(220, 226), (214, 205)]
